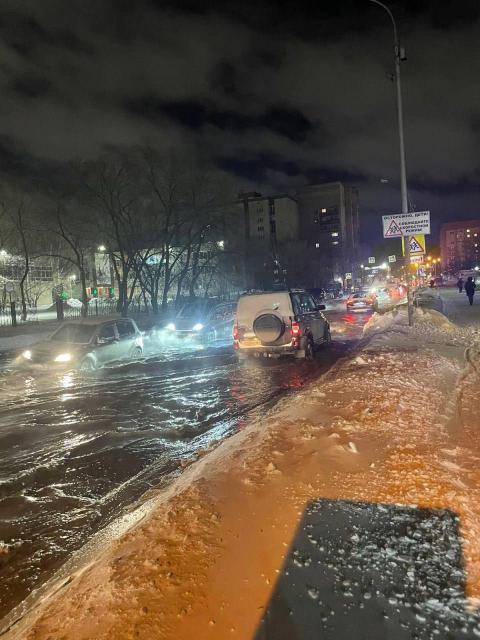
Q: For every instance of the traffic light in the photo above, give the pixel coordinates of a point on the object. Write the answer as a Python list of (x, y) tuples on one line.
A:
[(94, 292), (111, 292), (63, 295)]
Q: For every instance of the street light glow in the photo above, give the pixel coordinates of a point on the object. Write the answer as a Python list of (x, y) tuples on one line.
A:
[(102, 247)]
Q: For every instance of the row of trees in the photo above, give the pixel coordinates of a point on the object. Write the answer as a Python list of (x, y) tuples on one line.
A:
[(156, 215)]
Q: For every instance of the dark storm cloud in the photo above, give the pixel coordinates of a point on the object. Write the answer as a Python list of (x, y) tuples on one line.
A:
[(278, 95)]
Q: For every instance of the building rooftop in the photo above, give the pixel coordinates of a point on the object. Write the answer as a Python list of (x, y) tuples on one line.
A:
[(460, 224)]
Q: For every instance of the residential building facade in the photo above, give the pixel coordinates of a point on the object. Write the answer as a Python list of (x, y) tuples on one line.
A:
[(264, 225), (460, 245), (329, 224)]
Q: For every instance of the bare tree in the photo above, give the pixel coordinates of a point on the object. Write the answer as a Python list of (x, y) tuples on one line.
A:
[(71, 227), (18, 216), (111, 190)]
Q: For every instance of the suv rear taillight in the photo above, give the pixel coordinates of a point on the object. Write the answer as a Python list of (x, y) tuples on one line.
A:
[(295, 330), (235, 331)]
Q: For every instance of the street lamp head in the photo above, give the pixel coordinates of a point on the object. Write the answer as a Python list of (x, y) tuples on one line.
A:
[(102, 247)]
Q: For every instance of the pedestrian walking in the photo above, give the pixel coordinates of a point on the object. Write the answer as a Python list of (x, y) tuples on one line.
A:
[(460, 285), (470, 287)]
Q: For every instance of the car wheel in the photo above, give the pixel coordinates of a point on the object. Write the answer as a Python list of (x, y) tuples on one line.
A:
[(309, 349), (87, 365), (327, 337), (136, 353)]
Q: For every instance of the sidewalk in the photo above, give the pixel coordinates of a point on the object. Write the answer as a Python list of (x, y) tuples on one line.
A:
[(392, 430)]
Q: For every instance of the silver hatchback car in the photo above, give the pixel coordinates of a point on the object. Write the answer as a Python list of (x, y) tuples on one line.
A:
[(88, 344)]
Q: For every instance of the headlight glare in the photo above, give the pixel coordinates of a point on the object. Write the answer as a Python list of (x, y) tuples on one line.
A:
[(170, 326), (27, 354), (63, 357), (198, 326)]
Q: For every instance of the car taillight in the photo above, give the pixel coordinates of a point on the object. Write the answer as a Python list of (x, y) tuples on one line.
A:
[(295, 330), (235, 331)]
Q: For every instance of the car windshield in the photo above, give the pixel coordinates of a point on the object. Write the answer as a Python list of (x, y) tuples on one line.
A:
[(75, 333), (194, 309)]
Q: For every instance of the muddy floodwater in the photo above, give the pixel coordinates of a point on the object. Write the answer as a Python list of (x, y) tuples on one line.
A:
[(75, 450)]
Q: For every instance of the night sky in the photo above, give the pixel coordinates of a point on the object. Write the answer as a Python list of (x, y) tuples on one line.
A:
[(280, 94)]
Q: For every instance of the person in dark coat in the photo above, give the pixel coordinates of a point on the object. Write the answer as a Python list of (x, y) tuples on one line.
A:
[(460, 285), (470, 287)]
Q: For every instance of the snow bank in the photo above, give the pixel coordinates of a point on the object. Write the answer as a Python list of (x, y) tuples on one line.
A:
[(386, 426), (399, 318)]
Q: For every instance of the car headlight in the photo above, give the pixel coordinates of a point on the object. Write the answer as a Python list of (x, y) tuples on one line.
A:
[(63, 357), (170, 327), (198, 326), (27, 354)]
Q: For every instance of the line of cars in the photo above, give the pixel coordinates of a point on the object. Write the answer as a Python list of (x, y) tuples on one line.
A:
[(272, 323)]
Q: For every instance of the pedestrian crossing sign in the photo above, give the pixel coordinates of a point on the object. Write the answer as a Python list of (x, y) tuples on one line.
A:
[(417, 245)]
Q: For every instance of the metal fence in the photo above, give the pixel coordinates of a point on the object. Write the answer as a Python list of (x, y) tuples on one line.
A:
[(94, 308), (6, 316)]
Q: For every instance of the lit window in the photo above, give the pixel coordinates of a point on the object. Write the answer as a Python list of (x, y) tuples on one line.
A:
[(335, 242), (468, 230), (335, 234), (324, 211), (468, 235), (475, 234), (317, 245)]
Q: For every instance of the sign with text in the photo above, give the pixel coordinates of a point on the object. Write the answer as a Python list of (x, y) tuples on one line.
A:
[(371, 260), (406, 224), (392, 258), (416, 259), (348, 276)]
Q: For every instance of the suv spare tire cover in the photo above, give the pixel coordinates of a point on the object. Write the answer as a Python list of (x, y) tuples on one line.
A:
[(268, 328)]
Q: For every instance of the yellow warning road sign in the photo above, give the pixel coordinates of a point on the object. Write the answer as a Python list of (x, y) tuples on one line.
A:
[(417, 245)]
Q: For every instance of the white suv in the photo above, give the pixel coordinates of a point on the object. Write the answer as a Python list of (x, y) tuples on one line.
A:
[(279, 323)]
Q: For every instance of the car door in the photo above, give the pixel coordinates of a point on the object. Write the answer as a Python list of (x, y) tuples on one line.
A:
[(312, 319), (126, 338), (106, 349)]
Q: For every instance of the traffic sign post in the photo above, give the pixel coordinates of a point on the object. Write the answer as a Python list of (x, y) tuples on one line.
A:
[(404, 225)]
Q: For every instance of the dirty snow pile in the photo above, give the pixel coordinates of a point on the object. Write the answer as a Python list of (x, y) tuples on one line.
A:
[(429, 325)]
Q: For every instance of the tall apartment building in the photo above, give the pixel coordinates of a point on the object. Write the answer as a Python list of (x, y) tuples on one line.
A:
[(329, 223), (314, 235), (264, 224), (460, 245)]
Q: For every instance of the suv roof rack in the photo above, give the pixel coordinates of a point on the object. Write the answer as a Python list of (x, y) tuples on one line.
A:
[(253, 292)]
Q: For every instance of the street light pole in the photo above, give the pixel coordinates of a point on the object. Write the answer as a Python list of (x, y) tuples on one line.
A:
[(403, 169)]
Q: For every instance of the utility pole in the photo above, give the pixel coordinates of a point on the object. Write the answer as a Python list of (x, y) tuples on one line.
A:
[(399, 55)]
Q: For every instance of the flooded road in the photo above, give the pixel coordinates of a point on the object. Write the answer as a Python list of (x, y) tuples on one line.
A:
[(75, 450)]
